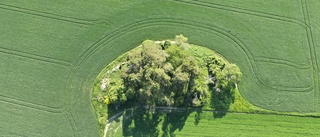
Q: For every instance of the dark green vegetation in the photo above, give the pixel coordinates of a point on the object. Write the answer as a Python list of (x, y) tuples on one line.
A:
[(167, 73), (52, 51)]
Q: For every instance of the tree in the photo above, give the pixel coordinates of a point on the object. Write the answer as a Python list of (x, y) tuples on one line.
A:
[(165, 45), (180, 81), (147, 72), (166, 74), (180, 39), (189, 66), (233, 73), (176, 55)]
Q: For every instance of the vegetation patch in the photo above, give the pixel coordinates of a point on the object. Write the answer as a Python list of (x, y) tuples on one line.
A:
[(169, 73)]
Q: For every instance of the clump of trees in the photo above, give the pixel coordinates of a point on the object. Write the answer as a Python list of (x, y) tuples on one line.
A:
[(165, 73)]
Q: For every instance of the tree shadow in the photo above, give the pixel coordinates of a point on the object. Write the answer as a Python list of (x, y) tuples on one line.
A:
[(146, 123), (197, 116), (127, 128), (173, 121), (221, 101), (140, 122)]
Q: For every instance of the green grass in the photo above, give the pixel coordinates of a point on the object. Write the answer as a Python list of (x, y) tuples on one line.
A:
[(251, 125), (51, 52), (233, 124)]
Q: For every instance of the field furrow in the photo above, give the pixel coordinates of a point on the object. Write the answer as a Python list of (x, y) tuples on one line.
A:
[(312, 49), (243, 11), (306, 65), (13, 101), (47, 15), (35, 57)]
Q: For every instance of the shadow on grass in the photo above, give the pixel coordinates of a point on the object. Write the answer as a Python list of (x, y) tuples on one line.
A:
[(221, 102), (141, 124), (150, 123), (174, 121), (164, 121)]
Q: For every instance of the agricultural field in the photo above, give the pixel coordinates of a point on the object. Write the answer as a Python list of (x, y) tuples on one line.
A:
[(52, 51)]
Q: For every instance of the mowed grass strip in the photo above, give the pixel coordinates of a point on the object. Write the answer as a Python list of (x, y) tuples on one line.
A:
[(234, 124), (252, 125)]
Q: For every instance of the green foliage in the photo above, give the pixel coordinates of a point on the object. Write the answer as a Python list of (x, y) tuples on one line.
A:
[(180, 39), (176, 55), (166, 74)]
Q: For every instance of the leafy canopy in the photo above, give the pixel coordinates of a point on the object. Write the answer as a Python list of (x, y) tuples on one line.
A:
[(167, 73)]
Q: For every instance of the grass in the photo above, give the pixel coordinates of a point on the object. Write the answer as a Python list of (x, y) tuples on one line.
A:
[(250, 125), (51, 52), (233, 124)]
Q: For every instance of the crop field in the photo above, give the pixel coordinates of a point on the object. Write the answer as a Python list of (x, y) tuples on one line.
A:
[(52, 51)]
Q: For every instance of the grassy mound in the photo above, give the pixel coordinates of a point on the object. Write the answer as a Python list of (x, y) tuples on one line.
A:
[(210, 83)]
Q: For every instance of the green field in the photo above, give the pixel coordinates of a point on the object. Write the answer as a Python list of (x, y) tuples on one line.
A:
[(234, 124), (52, 51)]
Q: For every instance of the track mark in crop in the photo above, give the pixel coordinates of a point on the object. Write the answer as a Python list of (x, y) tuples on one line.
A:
[(30, 105), (243, 11), (250, 58), (312, 51), (306, 65), (50, 15), (224, 33), (151, 22), (157, 21), (71, 122), (34, 57), (254, 13), (68, 111), (7, 133)]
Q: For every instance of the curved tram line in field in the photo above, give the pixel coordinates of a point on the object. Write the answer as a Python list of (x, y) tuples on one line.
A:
[(85, 22), (303, 24), (304, 5), (178, 23), (150, 22)]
